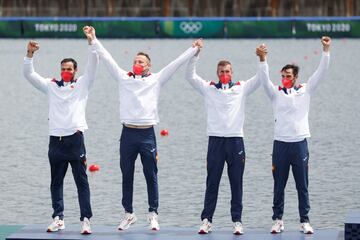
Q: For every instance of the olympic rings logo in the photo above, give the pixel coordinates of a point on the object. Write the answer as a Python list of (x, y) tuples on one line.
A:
[(191, 27)]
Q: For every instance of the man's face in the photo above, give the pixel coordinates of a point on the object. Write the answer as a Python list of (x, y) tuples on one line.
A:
[(68, 67), (227, 70), (143, 61), (288, 73)]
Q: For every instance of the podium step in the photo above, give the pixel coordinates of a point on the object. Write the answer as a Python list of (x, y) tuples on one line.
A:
[(36, 232)]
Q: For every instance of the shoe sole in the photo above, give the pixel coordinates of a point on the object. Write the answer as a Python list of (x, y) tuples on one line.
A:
[(238, 233), (204, 232), (308, 232), (277, 232), (86, 233), (123, 229), (280, 231), (60, 228)]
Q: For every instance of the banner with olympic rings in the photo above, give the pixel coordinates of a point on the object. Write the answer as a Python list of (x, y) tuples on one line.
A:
[(191, 29)]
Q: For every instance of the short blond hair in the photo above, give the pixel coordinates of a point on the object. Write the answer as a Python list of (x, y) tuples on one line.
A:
[(223, 63)]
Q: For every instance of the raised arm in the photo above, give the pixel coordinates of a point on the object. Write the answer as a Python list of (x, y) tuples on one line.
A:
[(264, 77), (93, 59), (34, 78), (166, 73), (314, 80), (253, 83), (195, 80), (116, 72)]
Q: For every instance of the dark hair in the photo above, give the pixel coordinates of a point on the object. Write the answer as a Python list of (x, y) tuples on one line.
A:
[(65, 60), (144, 54), (294, 67)]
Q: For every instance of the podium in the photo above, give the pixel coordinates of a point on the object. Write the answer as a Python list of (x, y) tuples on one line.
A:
[(37, 232)]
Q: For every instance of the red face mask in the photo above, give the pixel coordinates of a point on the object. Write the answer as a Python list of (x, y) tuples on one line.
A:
[(138, 69), (287, 83), (67, 76), (224, 78)]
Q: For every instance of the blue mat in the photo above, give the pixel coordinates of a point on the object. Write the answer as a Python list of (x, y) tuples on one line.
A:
[(166, 233)]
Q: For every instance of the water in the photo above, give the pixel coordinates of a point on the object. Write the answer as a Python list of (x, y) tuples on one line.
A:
[(334, 146)]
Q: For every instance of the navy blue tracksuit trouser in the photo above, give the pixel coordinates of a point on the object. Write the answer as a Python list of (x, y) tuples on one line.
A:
[(62, 151), (132, 142), (220, 150), (296, 155)]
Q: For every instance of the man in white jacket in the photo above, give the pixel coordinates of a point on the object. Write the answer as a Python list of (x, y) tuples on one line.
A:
[(67, 103), (291, 110), (138, 94), (225, 105)]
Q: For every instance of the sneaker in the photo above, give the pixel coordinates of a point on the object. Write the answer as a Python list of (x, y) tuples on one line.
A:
[(205, 228), (128, 219), (56, 225), (306, 228), (153, 221), (238, 228), (278, 226), (85, 226)]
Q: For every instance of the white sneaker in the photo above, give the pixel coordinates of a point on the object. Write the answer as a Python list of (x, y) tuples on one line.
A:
[(278, 226), (205, 228), (56, 225), (306, 228), (153, 221), (238, 228), (85, 226), (128, 219)]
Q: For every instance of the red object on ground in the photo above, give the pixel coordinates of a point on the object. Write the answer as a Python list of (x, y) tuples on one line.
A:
[(94, 168), (164, 132)]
